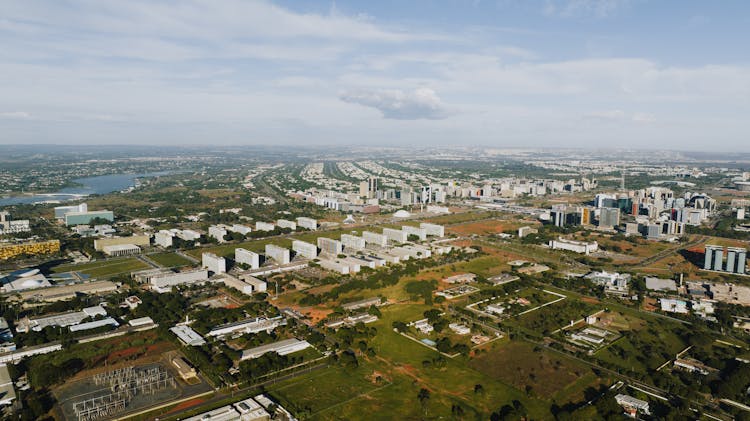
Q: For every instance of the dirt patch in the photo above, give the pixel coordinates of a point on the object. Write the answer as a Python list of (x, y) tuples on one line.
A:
[(186, 405)]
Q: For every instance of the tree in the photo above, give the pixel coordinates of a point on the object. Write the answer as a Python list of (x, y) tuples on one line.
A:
[(423, 396)]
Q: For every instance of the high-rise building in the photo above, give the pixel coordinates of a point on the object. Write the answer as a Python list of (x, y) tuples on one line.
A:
[(736, 260), (609, 217)]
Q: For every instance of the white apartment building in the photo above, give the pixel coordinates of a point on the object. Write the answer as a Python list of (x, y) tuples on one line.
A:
[(395, 235), (283, 223), (374, 238), (352, 242), (279, 254), (247, 257), (214, 263), (330, 246), (421, 233), (307, 223), (264, 226), (433, 229), (305, 249)]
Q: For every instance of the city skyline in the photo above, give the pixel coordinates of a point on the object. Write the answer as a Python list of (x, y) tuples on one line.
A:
[(506, 74)]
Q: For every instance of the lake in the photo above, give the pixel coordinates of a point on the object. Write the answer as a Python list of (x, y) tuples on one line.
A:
[(102, 184)]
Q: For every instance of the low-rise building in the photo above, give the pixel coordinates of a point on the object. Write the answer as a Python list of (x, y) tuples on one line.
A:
[(671, 305), (120, 250), (164, 281), (375, 239), (582, 247), (138, 240), (251, 325), (660, 285), (460, 278), (366, 303), (284, 347), (187, 335), (218, 232)]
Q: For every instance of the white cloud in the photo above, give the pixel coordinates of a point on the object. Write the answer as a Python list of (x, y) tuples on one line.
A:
[(606, 115), (575, 8), (421, 103), (16, 115)]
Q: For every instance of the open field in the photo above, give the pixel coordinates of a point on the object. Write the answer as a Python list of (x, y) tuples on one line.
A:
[(531, 368), (344, 394), (104, 268), (456, 218), (488, 226), (548, 319), (169, 259)]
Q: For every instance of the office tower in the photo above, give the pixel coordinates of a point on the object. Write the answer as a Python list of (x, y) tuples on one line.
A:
[(609, 217)]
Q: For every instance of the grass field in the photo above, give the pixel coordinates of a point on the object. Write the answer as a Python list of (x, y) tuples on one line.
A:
[(488, 226), (547, 319), (169, 260), (522, 365), (104, 268), (341, 394)]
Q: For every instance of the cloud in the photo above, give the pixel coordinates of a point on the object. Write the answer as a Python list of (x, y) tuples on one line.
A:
[(419, 104), (644, 118), (620, 115), (16, 115), (578, 8)]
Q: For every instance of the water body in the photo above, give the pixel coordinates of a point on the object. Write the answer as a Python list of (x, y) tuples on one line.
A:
[(102, 184)]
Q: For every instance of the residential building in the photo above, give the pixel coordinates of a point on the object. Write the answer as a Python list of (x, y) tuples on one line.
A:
[(305, 249), (420, 233), (433, 229), (397, 236), (218, 232), (247, 257), (376, 239), (164, 238), (214, 263), (330, 246), (279, 254), (283, 223), (264, 226), (352, 242), (307, 223)]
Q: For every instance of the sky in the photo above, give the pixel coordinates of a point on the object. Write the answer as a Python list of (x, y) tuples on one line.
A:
[(666, 74)]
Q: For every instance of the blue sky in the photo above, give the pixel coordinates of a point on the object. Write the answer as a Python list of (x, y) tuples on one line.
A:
[(506, 73)]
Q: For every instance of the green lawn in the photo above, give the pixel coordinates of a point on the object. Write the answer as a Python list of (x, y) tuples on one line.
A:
[(104, 268), (169, 260)]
